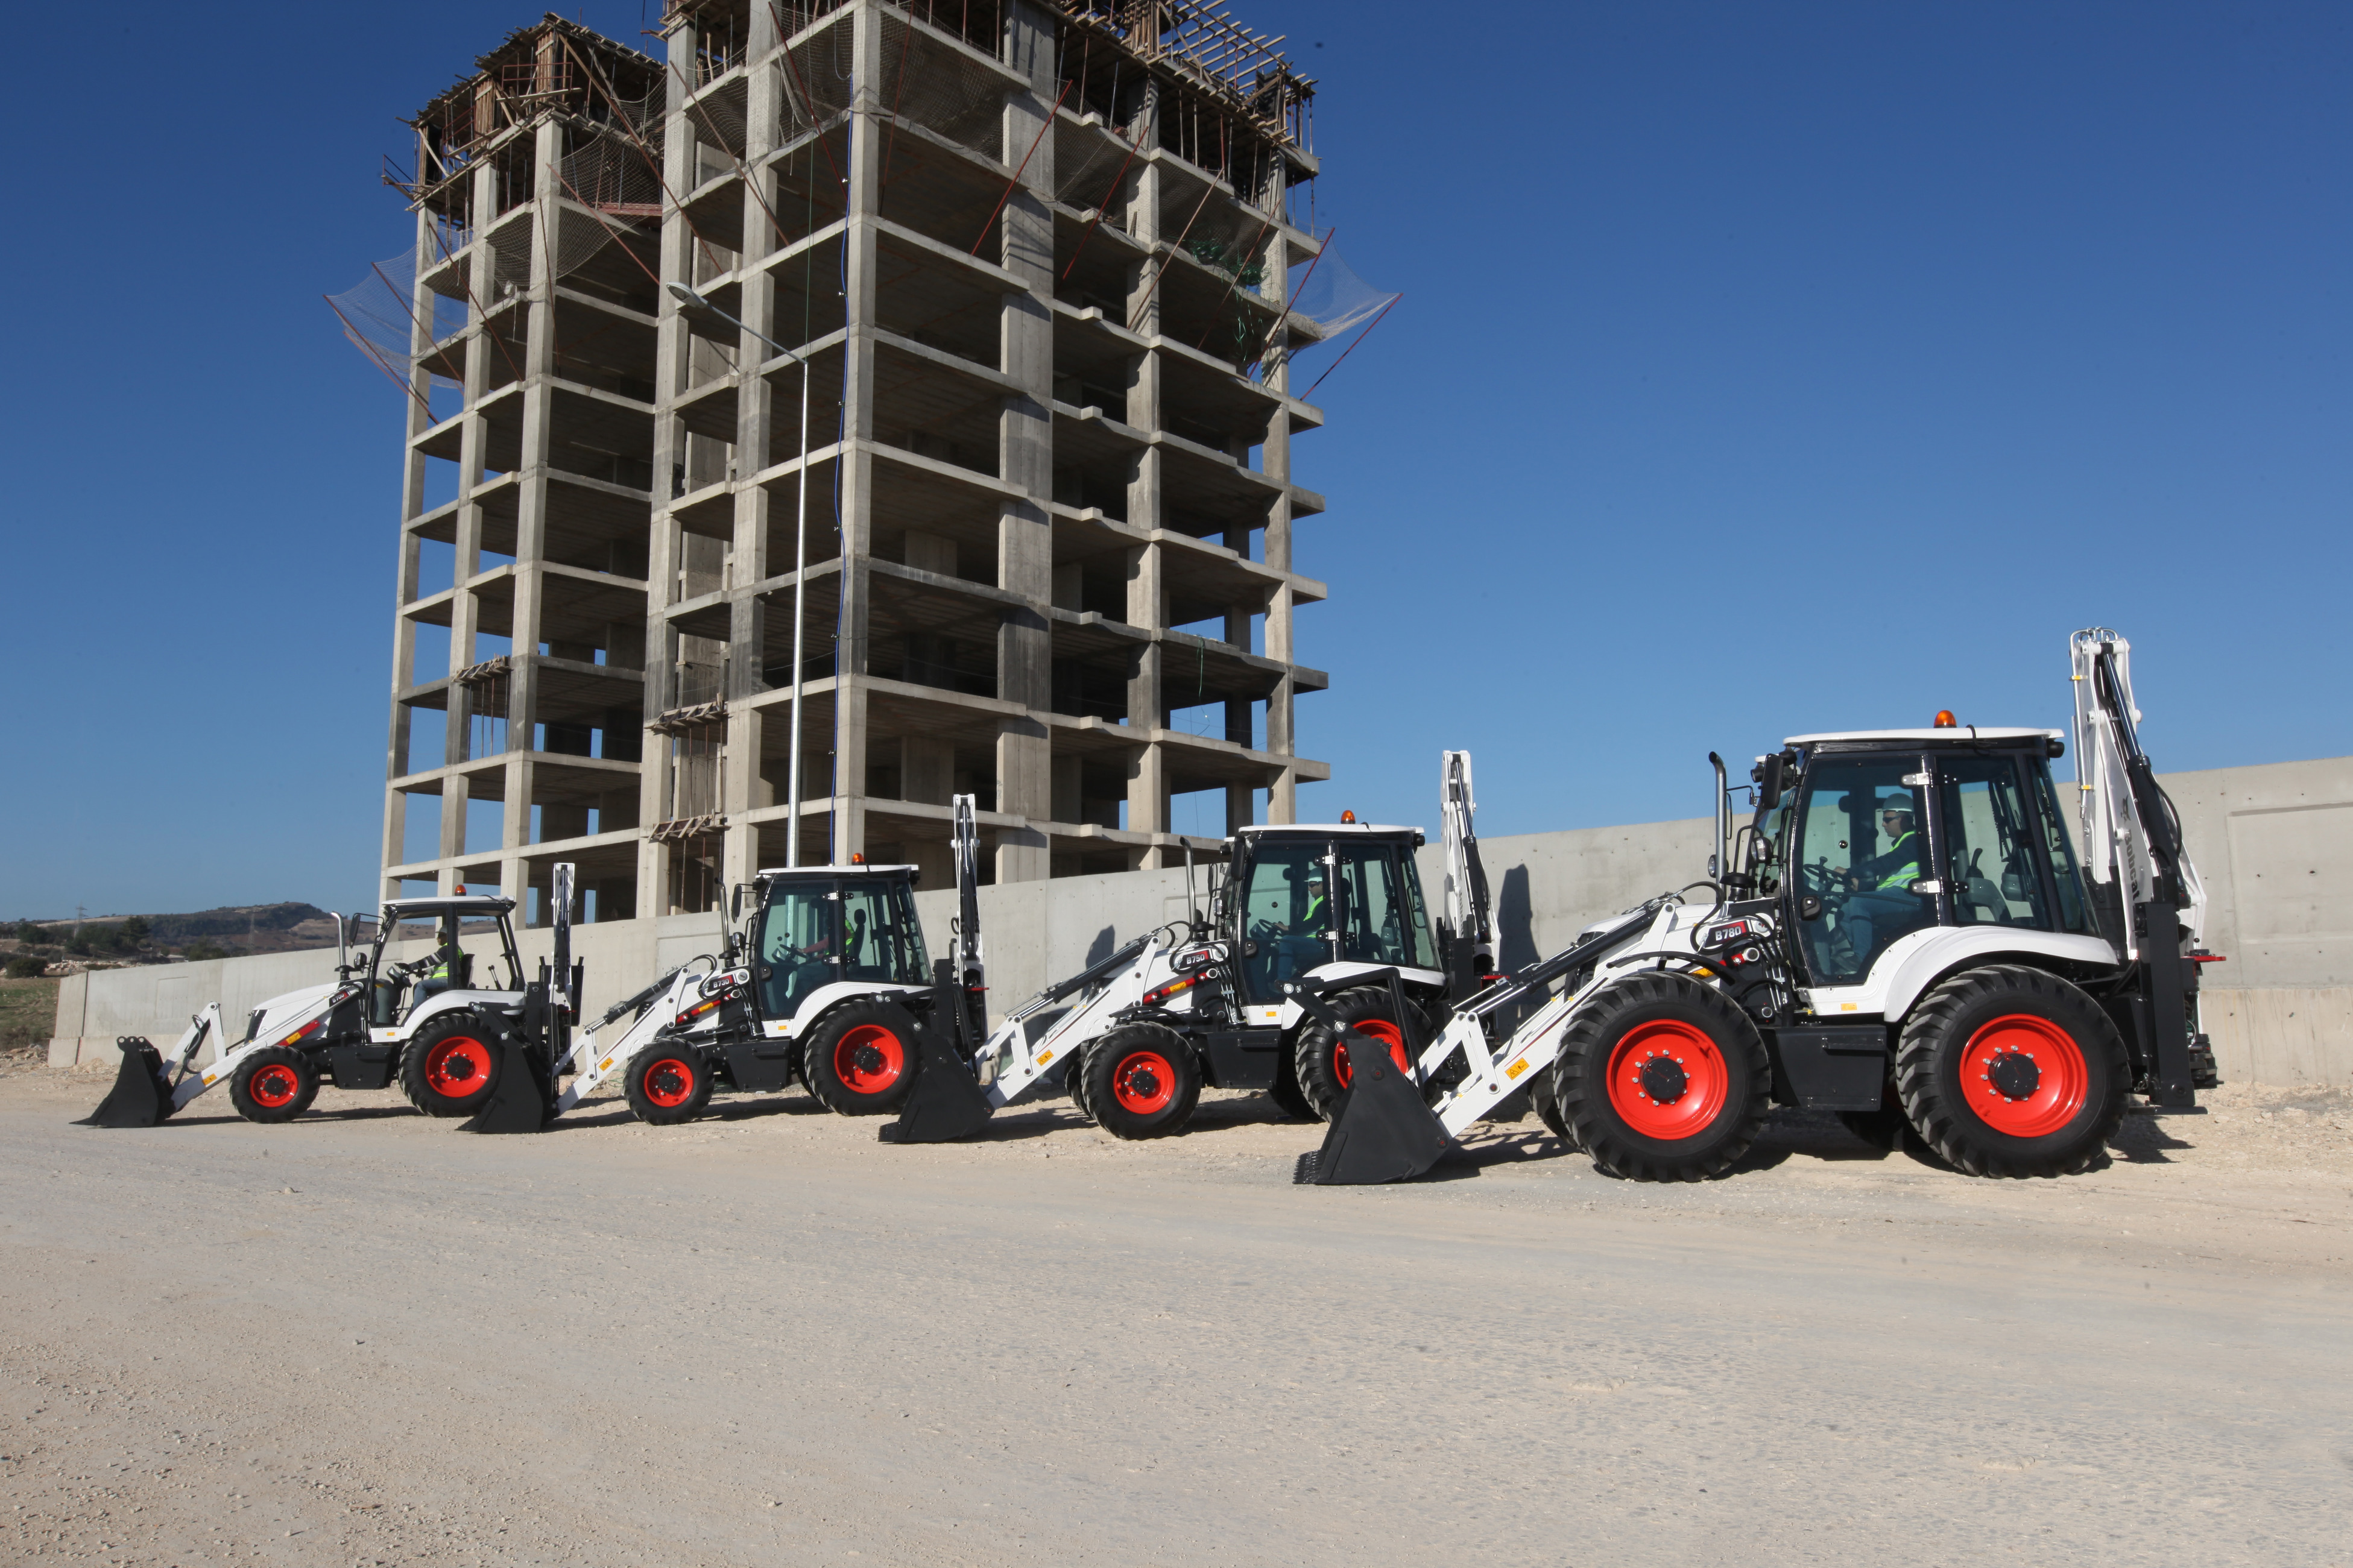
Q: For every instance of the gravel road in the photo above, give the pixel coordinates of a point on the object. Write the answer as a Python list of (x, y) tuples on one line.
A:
[(366, 1339)]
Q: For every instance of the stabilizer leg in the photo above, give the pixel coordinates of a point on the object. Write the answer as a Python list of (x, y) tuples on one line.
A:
[(946, 1103), (141, 1097), (520, 1095), (1383, 1133)]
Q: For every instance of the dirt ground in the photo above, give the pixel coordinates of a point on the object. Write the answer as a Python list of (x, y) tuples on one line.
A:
[(366, 1338)]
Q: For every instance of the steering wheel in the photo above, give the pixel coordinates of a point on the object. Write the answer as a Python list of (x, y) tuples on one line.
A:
[(1824, 883)]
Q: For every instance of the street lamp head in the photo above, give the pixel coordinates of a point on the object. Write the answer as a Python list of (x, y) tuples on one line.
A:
[(688, 298)]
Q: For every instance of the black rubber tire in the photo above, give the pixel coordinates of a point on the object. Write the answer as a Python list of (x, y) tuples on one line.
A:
[(1288, 1096), (436, 1059), (1548, 1109), (288, 1083), (1127, 1105), (1316, 1053), (1937, 1041), (1074, 1084), (667, 1083), (1641, 1002), (843, 1086)]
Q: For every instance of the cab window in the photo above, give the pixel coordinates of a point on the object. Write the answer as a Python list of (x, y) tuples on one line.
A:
[(796, 945), (1381, 918), (1989, 845), (2064, 877), (1862, 843), (879, 939), (1286, 914)]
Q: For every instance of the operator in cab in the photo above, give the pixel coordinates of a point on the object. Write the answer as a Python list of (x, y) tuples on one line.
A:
[(1880, 903)]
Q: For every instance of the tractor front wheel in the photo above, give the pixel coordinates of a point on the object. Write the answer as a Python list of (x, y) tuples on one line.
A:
[(668, 1083), (2009, 1071), (275, 1085), (1661, 1079), (1140, 1081)]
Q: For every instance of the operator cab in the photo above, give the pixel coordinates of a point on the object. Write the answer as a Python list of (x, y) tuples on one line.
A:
[(815, 925), (451, 964), (1307, 895), (1886, 832)]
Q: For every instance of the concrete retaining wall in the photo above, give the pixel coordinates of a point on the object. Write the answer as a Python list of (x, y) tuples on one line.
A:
[(2275, 844)]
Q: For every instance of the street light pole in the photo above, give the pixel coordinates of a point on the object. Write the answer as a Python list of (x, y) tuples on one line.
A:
[(695, 301)]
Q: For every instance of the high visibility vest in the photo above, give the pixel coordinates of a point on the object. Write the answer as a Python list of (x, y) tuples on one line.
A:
[(1317, 908), (1908, 871)]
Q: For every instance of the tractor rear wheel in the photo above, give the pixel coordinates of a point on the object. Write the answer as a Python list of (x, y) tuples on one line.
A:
[(1141, 1081), (1661, 1079), (447, 1069), (1319, 1059), (275, 1085), (667, 1083), (860, 1059), (2009, 1071)]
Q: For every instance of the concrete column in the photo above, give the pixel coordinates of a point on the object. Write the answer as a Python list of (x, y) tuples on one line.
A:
[(412, 507), (1147, 709), (741, 788), (530, 509), (1283, 804), (673, 350), (1025, 654), (1241, 799), (863, 208)]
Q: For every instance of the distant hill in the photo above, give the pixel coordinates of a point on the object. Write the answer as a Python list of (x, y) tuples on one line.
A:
[(235, 929)]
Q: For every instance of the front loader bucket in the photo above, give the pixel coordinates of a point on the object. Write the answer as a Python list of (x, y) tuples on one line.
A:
[(1383, 1132), (141, 1097), (944, 1104), (519, 1097)]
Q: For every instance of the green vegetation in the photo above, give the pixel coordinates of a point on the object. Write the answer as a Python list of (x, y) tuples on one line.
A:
[(28, 1011)]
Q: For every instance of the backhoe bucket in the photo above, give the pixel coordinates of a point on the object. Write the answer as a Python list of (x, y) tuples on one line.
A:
[(1383, 1132), (519, 1097), (141, 1097), (945, 1104)]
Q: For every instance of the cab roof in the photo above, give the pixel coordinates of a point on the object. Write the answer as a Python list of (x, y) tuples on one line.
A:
[(1323, 829), (469, 904), (1951, 734), (778, 873)]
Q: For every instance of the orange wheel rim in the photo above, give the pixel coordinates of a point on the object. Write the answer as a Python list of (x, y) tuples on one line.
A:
[(2024, 1075), (868, 1059), (274, 1085), (1667, 1080), (458, 1067), (669, 1083), (1144, 1082), (1380, 1029)]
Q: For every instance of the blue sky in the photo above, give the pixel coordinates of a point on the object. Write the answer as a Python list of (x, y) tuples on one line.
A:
[(1761, 369)]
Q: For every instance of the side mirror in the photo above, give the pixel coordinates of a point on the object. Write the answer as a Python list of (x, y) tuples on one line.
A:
[(1809, 908), (735, 901), (1771, 778)]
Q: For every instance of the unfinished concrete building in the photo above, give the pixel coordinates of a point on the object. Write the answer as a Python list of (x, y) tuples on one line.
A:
[(900, 391)]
